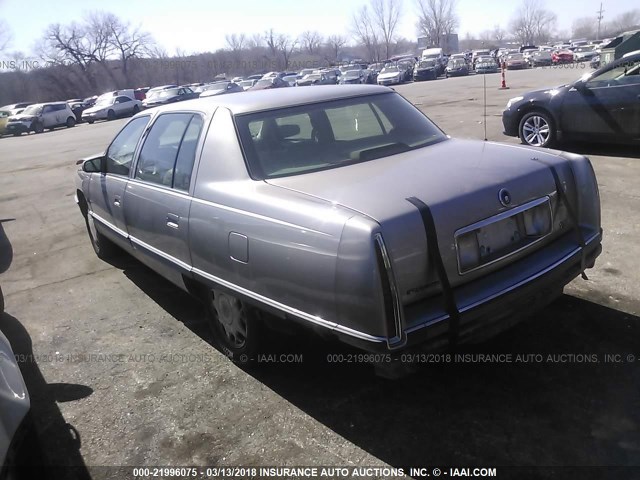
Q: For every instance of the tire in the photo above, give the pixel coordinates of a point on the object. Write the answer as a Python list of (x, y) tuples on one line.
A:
[(38, 127), (1, 302), (71, 122), (111, 115), (537, 129), (90, 122), (105, 249), (236, 327), (136, 109)]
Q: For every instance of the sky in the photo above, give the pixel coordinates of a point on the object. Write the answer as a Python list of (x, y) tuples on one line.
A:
[(201, 25)]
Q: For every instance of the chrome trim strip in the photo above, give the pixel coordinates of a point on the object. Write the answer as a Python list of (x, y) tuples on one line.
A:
[(497, 218), (256, 296), (293, 311), (398, 310), (160, 253), (109, 225), (509, 289), (258, 216)]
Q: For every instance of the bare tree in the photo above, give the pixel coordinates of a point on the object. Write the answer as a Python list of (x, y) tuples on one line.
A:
[(386, 14), (271, 39), (533, 23), (625, 21), (311, 41), (436, 18), (256, 41), (236, 41), (5, 36), (286, 46), (126, 41), (365, 32), (584, 27), (335, 43), (498, 34)]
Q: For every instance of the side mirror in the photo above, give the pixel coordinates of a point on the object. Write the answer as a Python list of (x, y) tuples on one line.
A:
[(93, 165)]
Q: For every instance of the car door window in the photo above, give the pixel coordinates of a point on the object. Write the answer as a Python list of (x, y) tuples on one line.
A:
[(623, 74), (121, 150), (160, 150), (187, 154)]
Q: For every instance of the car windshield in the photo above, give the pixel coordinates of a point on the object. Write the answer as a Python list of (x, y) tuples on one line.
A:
[(515, 56), (353, 73), (103, 102), (320, 136), (390, 70), (427, 63), (246, 83), (33, 110), (312, 76), (261, 83), (170, 92), (584, 49), (457, 62), (216, 87)]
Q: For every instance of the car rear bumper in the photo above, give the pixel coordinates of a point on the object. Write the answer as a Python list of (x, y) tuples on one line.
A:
[(481, 318), (17, 128)]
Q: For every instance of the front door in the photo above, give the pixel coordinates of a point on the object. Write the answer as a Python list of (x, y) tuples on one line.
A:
[(106, 189), (608, 105)]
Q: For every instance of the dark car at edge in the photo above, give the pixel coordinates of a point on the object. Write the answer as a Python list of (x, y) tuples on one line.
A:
[(600, 106)]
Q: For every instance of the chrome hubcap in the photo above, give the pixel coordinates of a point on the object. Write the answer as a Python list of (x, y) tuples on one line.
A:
[(536, 131), (231, 317)]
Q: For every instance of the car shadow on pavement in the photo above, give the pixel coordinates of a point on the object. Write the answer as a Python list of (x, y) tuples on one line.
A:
[(53, 445), (563, 403), (563, 392), (601, 149)]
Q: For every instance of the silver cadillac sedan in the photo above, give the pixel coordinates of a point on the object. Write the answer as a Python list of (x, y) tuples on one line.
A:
[(342, 208)]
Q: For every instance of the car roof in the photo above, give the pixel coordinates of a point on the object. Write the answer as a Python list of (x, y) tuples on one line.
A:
[(261, 100)]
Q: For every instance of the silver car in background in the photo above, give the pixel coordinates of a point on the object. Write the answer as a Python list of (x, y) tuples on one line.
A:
[(344, 209), (14, 402)]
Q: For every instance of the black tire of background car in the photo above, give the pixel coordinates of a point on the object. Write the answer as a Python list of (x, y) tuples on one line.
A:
[(111, 115), (71, 122), (246, 355), (38, 127), (547, 118), (90, 122), (136, 109)]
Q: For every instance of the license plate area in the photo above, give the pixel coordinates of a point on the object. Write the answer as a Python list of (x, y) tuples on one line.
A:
[(502, 235)]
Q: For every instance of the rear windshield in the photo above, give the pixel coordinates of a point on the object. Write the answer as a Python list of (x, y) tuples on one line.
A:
[(320, 136)]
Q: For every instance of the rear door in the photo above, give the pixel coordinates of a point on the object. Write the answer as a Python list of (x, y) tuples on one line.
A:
[(157, 199), (106, 189), (123, 105)]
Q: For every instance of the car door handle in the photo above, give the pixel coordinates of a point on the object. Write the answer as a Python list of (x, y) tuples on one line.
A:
[(173, 220), (116, 201)]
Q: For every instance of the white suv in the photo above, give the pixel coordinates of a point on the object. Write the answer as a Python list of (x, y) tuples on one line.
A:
[(37, 117)]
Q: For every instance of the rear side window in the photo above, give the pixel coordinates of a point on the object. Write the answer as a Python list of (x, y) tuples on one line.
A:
[(168, 153)]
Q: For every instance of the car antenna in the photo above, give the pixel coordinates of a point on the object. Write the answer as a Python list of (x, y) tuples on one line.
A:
[(484, 93)]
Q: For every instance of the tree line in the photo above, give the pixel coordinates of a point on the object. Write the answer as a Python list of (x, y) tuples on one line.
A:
[(103, 52)]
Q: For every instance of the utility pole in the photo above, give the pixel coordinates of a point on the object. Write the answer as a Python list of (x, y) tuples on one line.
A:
[(600, 16)]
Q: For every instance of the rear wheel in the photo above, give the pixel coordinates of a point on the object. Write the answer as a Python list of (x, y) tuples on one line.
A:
[(111, 115), (136, 109), (38, 127), (536, 129), (90, 122), (235, 326), (71, 122)]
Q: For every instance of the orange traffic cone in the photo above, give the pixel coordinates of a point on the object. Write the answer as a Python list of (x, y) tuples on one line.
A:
[(504, 81)]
